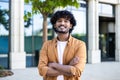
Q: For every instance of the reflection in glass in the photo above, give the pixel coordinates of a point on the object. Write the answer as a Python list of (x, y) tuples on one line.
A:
[(4, 33), (105, 10)]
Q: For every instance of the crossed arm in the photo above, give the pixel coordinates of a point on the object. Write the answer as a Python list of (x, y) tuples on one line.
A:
[(56, 69)]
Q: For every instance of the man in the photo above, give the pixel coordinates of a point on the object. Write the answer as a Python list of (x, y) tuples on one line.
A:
[(64, 57)]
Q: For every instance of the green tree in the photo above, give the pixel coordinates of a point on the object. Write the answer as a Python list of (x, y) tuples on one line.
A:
[(47, 7), (4, 18)]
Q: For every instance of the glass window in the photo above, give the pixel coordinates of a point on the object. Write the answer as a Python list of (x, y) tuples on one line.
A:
[(4, 33), (106, 10), (33, 35), (80, 16)]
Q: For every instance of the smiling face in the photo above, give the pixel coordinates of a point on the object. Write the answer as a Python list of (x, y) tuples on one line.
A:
[(63, 21), (62, 25)]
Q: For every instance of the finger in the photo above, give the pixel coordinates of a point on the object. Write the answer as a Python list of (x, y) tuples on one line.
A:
[(77, 58)]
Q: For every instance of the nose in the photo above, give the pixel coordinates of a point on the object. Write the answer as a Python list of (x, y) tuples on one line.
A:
[(62, 22)]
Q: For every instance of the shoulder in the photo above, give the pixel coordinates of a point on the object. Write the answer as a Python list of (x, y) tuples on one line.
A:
[(78, 42), (75, 40), (49, 42)]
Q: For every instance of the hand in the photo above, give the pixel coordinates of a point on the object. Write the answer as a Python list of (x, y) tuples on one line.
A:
[(52, 65), (74, 61)]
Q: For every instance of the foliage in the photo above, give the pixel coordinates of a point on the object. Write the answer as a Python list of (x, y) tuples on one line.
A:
[(46, 7), (4, 72), (1, 67), (3, 18)]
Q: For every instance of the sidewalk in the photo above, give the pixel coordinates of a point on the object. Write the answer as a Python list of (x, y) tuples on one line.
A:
[(98, 71)]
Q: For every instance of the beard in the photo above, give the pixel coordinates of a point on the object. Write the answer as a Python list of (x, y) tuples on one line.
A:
[(61, 29)]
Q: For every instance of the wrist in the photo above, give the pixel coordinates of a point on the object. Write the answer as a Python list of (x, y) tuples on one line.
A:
[(55, 65)]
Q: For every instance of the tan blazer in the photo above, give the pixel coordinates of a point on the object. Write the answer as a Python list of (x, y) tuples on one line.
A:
[(48, 53)]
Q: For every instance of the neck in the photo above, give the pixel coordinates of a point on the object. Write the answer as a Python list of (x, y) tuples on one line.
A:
[(63, 37)]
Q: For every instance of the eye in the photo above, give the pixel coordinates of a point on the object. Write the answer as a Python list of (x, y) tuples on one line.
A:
[(67, 21), (59, 20)]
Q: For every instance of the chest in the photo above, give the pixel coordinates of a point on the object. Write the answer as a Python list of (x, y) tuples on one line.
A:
[(68, 54)]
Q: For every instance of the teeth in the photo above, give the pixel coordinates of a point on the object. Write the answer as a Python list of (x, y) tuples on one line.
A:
[(62, 27)]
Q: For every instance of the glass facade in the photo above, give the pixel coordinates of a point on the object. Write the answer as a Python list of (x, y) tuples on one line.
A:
[(4, 33), (80, 16), (33, 36), (107, 32), (106, 10)]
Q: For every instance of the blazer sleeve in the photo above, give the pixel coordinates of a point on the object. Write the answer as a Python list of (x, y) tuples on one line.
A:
[(43, 60), (81, 53)]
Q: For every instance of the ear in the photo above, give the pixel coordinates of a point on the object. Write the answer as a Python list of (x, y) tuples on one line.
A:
[(54, 25), (70, 26)]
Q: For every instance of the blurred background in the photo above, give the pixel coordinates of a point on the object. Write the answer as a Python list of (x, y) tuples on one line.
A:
[(97, 25)]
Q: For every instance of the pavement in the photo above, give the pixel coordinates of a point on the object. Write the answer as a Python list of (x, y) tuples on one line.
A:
[(97, 71)]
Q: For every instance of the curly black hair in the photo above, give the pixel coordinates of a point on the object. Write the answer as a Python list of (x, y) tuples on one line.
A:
[(63, 14)]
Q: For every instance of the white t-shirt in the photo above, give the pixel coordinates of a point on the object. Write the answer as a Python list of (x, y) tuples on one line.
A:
[(60, 48)]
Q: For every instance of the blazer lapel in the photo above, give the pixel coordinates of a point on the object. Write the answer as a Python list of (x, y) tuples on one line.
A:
[(55, 50)]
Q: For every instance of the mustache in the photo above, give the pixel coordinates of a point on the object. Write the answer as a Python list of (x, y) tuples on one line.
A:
[(61, 25), (56, 30)]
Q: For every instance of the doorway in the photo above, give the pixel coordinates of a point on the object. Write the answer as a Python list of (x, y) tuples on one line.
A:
[(107, 38)]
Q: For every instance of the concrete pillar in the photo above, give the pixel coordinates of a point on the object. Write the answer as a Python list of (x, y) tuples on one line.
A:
[(17, 54), (93, 32), (117, 32)]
